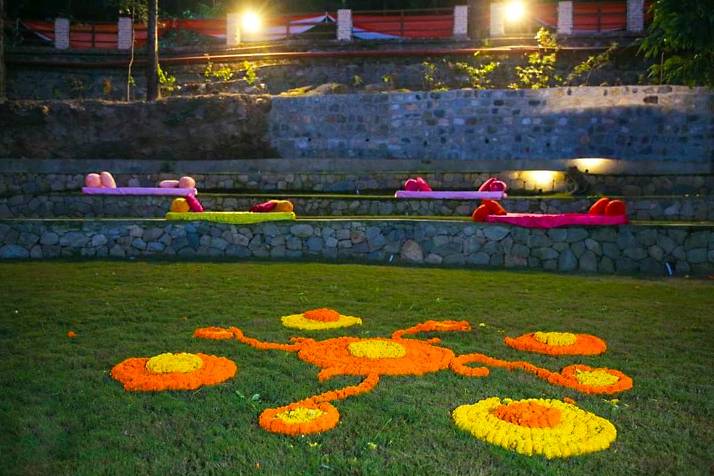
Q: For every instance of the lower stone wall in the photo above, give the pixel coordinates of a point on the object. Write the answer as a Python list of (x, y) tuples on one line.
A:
[(91, 206), (625, 249)]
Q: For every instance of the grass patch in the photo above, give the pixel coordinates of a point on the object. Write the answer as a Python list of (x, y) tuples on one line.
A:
[(61, 413)]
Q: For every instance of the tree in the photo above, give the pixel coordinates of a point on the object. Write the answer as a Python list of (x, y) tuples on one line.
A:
[(680, 40), (152, 53), (2, 50)]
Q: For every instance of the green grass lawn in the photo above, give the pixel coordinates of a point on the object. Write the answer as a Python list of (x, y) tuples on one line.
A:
[(61, 413)]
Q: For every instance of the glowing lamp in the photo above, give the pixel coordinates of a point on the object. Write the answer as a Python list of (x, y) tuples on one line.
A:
[(541, 178), (515, 11), (251, 22)]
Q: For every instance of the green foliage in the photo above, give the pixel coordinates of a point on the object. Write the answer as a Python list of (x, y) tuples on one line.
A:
[(540, 70), (430, 79), (479, 73), (680, 40), (250, 73), (388, 79), (357, 81), (167, 81), (593, 63), (221, 73)]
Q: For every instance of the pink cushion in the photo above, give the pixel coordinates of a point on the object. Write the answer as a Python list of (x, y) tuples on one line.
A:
[(92, 180), (186, 182), (107, 180), (169, 184), (194, 204), (534, 220)]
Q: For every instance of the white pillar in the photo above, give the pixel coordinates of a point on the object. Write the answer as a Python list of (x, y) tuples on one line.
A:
[(635, 16), (461, 21), (497, 25), (344, 25), (233, 29), (125, 33), (61, 33), (565, 18)]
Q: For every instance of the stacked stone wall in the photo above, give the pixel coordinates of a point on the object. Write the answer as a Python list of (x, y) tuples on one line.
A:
[(654, 250)]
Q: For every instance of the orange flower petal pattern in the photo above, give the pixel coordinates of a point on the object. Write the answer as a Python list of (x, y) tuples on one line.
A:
[(135, 377), (585, 344)]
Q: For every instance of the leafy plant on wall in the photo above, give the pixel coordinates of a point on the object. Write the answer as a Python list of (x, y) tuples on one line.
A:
[(680, 40)]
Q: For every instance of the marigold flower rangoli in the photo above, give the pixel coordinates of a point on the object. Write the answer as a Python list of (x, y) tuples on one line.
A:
[(398, 355), (558, 343), (319, 319), (550, 428), (169, 371)]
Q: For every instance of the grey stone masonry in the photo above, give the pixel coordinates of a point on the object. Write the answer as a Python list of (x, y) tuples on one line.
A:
[(634, 124), (54, 205), (631, 123), (652, 250)]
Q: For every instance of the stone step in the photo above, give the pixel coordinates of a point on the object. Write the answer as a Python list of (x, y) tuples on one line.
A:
[(32, 176), (51, 205)]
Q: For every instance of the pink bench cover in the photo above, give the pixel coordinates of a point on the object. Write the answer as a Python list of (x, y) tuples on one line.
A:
[(174, 192), (464, 195), (533, 220)]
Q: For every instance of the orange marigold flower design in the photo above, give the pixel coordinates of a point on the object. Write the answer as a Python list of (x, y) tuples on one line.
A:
[(322, 314), (300, 418), (217, 333), (71, 334), (558, 343), (137, 376)]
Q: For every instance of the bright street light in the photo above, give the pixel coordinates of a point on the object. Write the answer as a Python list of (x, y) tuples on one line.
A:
[(515, 11), (251, 22)]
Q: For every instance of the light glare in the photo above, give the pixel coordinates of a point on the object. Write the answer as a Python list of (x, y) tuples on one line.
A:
[(515, 11), (251, 22), (541, 178)]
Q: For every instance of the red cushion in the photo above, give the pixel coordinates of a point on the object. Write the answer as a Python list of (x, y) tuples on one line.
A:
[(480, 213), (615, 208), (494, 208), (598, 207), (264, 207)]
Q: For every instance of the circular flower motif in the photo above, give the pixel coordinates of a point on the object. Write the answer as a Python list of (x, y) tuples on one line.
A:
[(558, 343), (168, 363), (594, 380), (380, 356), (172, 372), (550, 428), (300, 418), (216, 333), (377, 349), (319, 319), (555, 338)]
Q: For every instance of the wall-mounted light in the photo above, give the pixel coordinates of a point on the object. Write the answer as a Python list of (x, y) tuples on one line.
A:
[(594, 165), (543, 179)]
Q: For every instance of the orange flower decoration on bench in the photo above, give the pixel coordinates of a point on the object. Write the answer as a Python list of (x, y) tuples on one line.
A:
[(173, 372), (558, 343)]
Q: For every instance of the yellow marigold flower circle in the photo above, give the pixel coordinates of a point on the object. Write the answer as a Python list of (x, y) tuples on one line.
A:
[(596, 378), (377, 349), (301, 321), (300, 415), (550, 428), (168, 363), (555, 338)]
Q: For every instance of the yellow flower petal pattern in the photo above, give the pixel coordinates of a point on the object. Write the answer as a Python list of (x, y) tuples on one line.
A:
[(299, 321), (575, 432)]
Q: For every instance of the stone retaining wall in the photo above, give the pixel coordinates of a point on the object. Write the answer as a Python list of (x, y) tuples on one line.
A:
[(661, 124), (27, 183), (89, 206), (628, 123), (624, 249)]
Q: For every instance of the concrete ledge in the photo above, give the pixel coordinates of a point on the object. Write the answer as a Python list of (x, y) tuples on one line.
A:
[(647, 249)]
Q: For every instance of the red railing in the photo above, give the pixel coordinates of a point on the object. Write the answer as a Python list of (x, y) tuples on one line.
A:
[(602, 17), (403, 24)]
